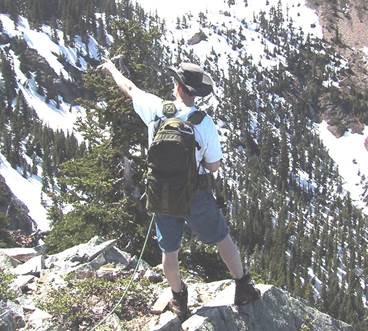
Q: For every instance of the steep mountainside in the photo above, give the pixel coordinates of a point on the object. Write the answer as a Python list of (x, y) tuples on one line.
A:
[(344, 23), (73, 150)]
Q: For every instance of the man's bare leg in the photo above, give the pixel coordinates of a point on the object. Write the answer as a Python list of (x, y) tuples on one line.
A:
[(170, 263), (229, 253)]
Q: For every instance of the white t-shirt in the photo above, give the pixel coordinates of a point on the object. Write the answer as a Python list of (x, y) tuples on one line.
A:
[(149, 108)]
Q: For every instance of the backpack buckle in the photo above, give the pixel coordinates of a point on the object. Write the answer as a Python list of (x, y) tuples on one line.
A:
[(188, 129)]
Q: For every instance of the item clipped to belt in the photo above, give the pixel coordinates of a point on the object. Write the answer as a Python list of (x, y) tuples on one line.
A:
[(207, 182)]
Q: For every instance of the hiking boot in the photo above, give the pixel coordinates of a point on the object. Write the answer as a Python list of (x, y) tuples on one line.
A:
[(245, 291), (179, 303)]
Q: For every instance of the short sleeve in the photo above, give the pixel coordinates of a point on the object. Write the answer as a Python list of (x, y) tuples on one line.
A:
[(213, 152), (147, 105)]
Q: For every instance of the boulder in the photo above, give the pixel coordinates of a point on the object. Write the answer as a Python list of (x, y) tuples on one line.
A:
[(11, 316), (337, 131), (20, 283), (118, 257), (111, 256), (215, 311), (357, 127), (6, 321), (167, 321), (276, 310), (79, 254), (31, 267), (197, 38), (198, 295), (22, 254), (143, 265), (7, 263), (39, 320), (153, 276), (111, 323), (109, 272)]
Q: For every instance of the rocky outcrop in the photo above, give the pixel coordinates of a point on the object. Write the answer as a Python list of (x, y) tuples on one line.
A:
[(197, 38), (337, 131), (275, 311), (211, 304)]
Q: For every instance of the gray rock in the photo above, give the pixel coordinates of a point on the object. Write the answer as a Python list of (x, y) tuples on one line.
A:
[(108, 256), (7, 323), (215, 318), (82, 253), (153, 276), (20, 253), (83, 271), (7, 262), (143, 265), (111, 255), (276, 311), (11, 316), (21, 282), (109, 272), (118, 257), (167, 321), (39, 320), (31, 267), (27, 303), (111, 323), (197, 38), (98, 262)]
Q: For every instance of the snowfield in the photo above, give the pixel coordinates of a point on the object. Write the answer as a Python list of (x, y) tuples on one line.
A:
[(28, 191), (348, 151), (352, 159)]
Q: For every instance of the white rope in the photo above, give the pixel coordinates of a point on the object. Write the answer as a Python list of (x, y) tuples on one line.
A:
[(131, 279), (4, 313)]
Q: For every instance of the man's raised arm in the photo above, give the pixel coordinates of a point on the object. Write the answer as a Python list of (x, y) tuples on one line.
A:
[(125, 84)]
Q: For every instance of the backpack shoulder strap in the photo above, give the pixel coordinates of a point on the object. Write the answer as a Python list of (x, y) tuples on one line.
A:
[(168, 109), (197, 117)]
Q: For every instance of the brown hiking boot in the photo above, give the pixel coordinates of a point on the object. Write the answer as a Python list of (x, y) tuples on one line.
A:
[(245, 291), (179, 303)]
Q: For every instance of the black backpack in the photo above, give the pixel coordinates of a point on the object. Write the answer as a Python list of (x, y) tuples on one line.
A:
[(172, 171)]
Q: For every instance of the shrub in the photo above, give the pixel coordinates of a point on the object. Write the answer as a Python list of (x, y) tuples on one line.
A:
[(85, 302), (6, 292)]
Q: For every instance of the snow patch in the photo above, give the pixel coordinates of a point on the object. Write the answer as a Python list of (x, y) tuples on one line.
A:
[(28, 191), (352, 159)]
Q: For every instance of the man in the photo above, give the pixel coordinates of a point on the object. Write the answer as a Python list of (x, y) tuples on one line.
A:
[(206, 219)]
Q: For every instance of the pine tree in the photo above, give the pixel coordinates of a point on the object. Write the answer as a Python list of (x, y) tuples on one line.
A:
[(283, 168), (9, 80)]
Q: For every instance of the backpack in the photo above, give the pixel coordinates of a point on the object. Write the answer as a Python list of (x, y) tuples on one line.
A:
[(172, 172)]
